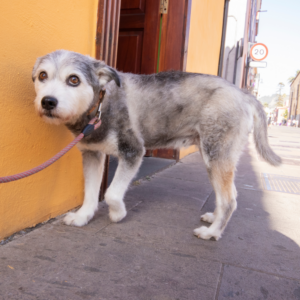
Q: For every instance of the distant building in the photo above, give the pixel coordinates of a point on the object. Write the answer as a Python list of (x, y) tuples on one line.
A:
[(241, 32), (279, 114), (294, 105), (287, 100)]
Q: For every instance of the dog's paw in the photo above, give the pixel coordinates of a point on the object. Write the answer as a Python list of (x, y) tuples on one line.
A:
[(117, 215), (208, 217), (117, 209), (206, 233), (76, 219)]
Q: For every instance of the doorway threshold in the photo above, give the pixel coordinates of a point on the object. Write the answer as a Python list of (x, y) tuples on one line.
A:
[(150, 165)]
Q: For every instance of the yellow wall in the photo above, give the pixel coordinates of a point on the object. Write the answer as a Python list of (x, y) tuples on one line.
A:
[(205, 36), (204, 42), (30, 29), (186, 151)]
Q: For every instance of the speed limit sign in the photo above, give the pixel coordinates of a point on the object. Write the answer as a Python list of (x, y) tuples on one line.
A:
[(259, 52)]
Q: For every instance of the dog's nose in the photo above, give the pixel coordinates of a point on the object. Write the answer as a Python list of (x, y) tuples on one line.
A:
[(49, 103)]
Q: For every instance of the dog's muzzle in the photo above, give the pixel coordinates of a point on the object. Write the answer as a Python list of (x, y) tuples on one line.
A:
[(49, 103)]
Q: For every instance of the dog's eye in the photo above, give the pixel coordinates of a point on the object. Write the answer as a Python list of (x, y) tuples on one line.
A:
[(74, 80), (43, 76)]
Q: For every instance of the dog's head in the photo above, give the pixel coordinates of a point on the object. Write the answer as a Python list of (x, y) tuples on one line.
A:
[(67, 85)]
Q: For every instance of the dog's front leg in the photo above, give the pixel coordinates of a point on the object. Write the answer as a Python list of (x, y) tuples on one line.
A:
[(114, 196), (93, 165)]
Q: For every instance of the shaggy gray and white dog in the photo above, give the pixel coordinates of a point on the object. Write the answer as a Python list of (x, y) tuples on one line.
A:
[(164, 110)]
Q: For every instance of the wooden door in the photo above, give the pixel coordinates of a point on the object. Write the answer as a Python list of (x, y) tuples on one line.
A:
[(138, 36), (135, 43), (141, 27)]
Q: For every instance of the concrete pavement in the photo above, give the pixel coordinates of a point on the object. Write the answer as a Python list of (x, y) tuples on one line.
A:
[(152, 254)]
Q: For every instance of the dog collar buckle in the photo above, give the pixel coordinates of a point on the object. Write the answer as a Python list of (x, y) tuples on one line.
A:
[(101, 97), (99, 104)]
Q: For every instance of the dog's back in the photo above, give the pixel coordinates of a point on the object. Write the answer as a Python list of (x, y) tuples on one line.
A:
[(178, 109)]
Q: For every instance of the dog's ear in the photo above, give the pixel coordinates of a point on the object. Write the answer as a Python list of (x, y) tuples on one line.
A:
[(106, 74), (37, 63)]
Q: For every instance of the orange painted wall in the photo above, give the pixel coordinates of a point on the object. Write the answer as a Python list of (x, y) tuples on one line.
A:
[(30, 29), (204, 42), (205, 36)]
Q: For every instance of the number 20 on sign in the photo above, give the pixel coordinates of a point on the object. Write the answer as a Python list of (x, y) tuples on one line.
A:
[(259, 52)]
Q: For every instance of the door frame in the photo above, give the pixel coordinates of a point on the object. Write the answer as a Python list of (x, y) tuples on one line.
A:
[(107, 35), (172, 48)]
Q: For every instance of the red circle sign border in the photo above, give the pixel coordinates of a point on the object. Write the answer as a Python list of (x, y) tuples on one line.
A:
[(267, 51)]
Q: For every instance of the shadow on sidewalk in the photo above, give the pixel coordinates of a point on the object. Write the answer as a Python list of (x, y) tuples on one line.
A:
[(258, 260)]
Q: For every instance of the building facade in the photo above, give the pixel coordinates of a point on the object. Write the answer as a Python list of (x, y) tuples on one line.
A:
[(241, 32), (294, 103)]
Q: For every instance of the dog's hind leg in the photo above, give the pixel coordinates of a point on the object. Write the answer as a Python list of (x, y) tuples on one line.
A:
[(115, 193), (93, 165), (222, 178)]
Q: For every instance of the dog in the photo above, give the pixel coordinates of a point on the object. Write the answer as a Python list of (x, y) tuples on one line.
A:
[(165, 110)]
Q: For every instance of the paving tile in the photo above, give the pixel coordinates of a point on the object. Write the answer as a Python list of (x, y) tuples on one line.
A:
[(247, 284), (188, 172), (168, 186), (249, 239), (51, 266)]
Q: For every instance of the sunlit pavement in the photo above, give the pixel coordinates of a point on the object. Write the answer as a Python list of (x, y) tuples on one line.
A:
[(152, 254)]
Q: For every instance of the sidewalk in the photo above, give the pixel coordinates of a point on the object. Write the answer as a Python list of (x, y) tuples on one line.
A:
[(152, 254)]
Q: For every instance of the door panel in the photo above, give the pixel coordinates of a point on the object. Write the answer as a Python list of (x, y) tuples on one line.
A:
[(130, 22), (174, 37), (130, 51), (138, 36), (131, 6)]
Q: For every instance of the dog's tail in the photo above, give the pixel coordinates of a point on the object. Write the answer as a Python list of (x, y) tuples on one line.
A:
[(261, 135)]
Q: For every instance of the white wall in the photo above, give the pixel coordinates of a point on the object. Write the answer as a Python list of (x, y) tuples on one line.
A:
[(235, 31)]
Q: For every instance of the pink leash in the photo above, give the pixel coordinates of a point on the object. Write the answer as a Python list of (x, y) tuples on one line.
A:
[(93, 125), (88, 129)]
